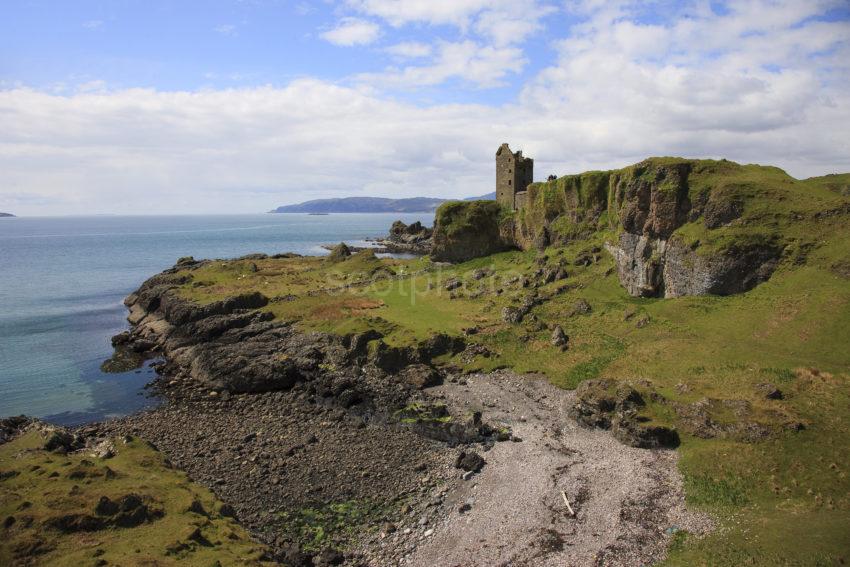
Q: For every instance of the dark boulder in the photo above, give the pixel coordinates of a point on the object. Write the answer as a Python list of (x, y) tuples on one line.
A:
[(469, 461), (421, 376)]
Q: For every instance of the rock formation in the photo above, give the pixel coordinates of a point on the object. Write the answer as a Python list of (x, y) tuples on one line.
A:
[(468, 229)]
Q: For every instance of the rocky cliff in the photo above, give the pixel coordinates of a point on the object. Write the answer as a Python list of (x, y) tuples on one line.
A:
[(674, 226), (468, 229)]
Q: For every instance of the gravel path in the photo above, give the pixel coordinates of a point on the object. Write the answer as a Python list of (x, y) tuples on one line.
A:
[(623, 498)]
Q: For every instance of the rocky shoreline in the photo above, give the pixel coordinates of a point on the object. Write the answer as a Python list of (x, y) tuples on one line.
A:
[(388, 449)]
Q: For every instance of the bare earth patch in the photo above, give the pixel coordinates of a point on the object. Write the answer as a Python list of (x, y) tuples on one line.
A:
[(627, 501)]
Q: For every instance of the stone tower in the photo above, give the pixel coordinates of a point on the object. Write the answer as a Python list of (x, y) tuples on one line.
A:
[(513, 175)]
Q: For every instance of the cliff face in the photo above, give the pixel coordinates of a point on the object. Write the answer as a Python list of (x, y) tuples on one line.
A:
[(674, 226), (652, 201)]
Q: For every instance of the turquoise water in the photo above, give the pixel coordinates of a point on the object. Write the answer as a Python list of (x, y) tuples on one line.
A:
[(63, 280)]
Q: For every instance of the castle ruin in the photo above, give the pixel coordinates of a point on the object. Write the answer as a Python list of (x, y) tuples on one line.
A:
[(513, 175)]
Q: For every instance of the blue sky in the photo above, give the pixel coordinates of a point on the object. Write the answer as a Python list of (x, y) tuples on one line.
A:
[(242, 105), (170, 45)]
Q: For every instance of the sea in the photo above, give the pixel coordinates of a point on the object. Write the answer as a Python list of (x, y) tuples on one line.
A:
[(63, 281)]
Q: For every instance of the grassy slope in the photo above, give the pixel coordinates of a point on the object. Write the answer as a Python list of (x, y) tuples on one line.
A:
[(48, 482), (781, 501)]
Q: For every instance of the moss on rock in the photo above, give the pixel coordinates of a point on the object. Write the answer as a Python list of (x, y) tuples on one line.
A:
[(469, 229)]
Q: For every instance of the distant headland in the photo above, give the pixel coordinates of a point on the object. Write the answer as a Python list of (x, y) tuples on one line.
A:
[(370, 205), (6, 215)]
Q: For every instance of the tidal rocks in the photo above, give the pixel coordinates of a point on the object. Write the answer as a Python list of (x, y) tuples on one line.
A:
[(413, 238), (433, 420), (614, 405)]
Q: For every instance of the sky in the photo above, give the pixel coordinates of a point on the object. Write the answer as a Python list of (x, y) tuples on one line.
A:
[(239, 106)]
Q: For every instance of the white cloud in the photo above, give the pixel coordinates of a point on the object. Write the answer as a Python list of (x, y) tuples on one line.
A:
[(436, 12), (488, 50), (749, 86), (511, 22), (93, 24), (479, 65), (352, 31), (502, 21), (410, 50)]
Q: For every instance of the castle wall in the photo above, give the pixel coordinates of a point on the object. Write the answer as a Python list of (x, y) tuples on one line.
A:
[(520, 199), (505, 176), (513, 174)]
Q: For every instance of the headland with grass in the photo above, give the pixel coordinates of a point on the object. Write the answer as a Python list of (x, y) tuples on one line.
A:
[(343, 406)]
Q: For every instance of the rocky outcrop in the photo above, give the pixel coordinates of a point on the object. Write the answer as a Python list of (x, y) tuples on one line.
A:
[(10, 427), (469, 229), (339, 253), (650, 267), (129, 511), (652, 203), (233, 346), (414, 238), (411, 235), (615, 406)]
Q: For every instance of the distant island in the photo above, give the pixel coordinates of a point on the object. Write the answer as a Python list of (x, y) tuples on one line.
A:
[(6, 215), (371, 205)]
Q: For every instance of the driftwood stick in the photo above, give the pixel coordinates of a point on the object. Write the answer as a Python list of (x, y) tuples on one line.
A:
[(567, 502)]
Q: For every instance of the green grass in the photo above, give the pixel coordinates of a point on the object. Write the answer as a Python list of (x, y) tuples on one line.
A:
[(718, 347), (49, 485), (781, 501)]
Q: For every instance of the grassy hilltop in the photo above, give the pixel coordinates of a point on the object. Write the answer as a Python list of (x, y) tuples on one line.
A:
[(782, 497)]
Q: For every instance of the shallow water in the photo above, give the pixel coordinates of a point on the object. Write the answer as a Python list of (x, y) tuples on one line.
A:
[(63, 280)]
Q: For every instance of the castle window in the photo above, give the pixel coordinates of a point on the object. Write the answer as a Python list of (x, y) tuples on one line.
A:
[(509, 181)]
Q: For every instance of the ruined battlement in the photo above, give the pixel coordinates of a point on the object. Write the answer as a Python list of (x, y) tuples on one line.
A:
[(513, 175)]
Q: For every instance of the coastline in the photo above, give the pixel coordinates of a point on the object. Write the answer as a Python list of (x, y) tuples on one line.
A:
[(332, 438)]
